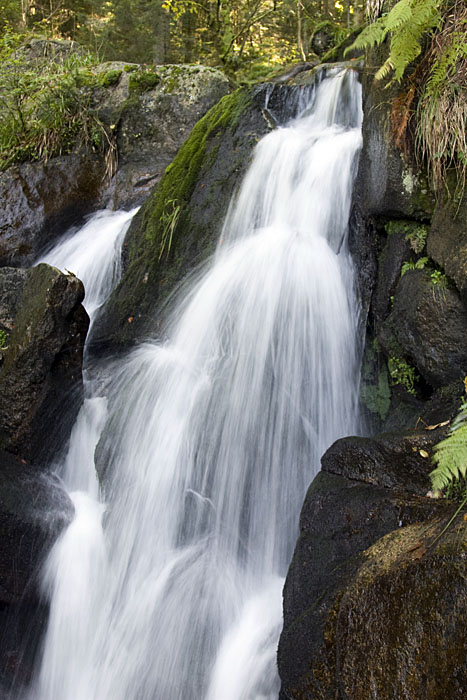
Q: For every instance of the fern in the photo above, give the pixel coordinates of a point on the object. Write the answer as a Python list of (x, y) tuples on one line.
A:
[(407, 23), (450, 455)]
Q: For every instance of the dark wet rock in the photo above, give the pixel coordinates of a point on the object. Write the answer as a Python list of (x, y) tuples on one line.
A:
[(34, 510), (40, 374), (152, 121), (430, 324), (41, 200), (388, 184), (395, 252), (366, 489), (178, 226), (447, 242), (363, 247), (390, 460), (399, 630)]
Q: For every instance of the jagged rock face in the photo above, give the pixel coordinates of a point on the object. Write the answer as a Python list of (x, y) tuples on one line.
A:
[(41, 200), (40, 374), (366, 489)]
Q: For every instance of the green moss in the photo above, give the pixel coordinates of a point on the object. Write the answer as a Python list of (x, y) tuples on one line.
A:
[(144, 80), (414, 232), (181, 175), (131, 67), (110, 78)]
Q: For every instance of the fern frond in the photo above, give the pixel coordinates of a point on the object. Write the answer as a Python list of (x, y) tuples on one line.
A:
[(406, 23), (400, 14), (450, 456), (385, 69), (372, 35)]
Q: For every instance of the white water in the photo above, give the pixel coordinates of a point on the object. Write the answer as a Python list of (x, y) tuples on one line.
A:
[(211, 441)]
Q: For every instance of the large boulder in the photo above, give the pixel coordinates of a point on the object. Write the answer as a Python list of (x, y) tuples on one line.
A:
[(366, 489), (41, 200), (399, 629), (179, 225), (40, 371), (153, 112), (429, 323)]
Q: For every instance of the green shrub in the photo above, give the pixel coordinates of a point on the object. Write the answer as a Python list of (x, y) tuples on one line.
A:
[(402, 374), (46, 110)]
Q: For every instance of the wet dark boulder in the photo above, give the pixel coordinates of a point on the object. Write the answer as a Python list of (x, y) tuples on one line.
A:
[(395, 252), (366, 489), (40, 372), (429, 322), (41, 200), (399, 629), (34, 510)]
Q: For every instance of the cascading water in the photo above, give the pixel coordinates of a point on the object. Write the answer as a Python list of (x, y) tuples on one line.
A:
[(212, 439)]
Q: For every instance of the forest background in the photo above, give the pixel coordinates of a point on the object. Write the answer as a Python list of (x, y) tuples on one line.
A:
[(249, 37)]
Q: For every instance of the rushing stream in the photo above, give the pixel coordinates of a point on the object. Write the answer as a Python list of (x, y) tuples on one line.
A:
[(171, 589)]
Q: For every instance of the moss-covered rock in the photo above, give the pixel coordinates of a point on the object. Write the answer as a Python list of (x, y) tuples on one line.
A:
[(366, 489), (152, 110), (178, 226), (40, 372), (399, 630)]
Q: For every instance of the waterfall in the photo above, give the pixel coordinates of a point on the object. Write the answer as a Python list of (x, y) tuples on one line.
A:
[(171, 588)]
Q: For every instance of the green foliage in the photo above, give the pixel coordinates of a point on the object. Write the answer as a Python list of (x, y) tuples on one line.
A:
[(441, 124), (439, 279), (46, 110), (141, 81), (377, 397), (450, 456), (406, 24), (410, 265), (110, 78), (402, 374), (169, 220), (417, 238), (3, 340), (414, 232)]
